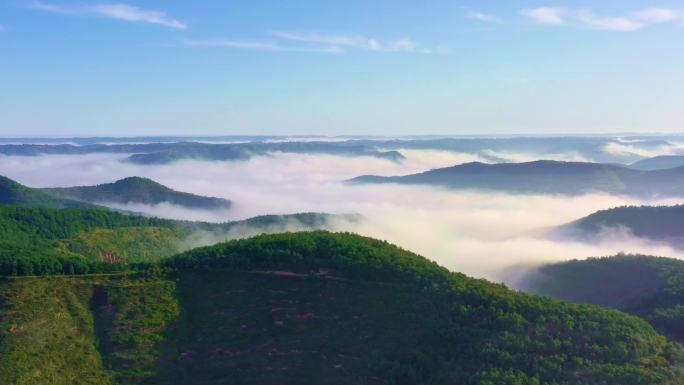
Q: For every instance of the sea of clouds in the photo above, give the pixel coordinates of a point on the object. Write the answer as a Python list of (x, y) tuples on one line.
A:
[(482, 234)]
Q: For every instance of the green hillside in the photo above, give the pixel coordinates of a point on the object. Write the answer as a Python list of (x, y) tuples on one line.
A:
[(13, 193), (649, 287), (137, 190), (42, 241), (314, 308)]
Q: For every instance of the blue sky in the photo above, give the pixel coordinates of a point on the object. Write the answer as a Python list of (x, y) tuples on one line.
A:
[(340, 67)]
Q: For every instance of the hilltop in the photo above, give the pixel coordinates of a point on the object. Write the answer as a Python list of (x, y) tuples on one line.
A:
[(137, 190), (314, 308)]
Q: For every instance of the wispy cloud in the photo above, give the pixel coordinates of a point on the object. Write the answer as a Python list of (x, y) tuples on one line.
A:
[(620, 24), (348, 41), (483, 17), (311, 42), (255, 45), (546, 15), (118, 11), (587, 18), (2, 28)]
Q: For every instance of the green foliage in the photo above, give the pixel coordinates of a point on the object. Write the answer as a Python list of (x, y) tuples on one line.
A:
[(47, 334), (649, 287), (43, 241), (484, 332), (132, 314), (125, 244), (13, 193), (320, 308)]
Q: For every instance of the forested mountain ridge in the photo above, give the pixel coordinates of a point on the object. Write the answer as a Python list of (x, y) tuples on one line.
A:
[(14, 193), (137, 190), (545, 177), (649, 287), (657, 223), (316, 308), (44, 241)]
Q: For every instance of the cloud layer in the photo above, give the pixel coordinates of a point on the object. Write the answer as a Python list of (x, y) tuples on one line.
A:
[(478, 233)]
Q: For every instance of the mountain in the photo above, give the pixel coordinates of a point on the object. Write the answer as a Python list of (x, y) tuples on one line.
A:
[(659, 162), (545, 177), (656, 223), (14, 193), (150, 150), (137, 190), (649, 287), (163, 153), (44, 241), (314, 308)]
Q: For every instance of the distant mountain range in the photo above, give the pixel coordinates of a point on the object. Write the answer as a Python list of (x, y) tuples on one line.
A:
[(137, 190), (657, 223), (649, 287), (659, 162), (161, 150), (162, 153), (546, 177)]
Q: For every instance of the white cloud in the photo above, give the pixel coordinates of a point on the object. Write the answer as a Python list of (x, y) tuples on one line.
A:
[(483, 17), (619, 24), (658, 15), (226, 43), (118, 11), (546, 15), (586, 17), (350, 41), (311, 42), (256, 45)]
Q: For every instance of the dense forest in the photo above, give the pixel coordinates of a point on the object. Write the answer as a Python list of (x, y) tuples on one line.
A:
[(44, 241), (315, 308), (649, 287)]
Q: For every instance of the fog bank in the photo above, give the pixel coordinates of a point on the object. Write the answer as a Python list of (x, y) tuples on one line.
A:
[(478, 233)]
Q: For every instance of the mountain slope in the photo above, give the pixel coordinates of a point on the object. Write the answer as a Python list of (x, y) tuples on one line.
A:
[(137, 190), (659, 162), (545, 177), (649, 287), (43, 241), (323, 308), (14, 193), (656, 223)]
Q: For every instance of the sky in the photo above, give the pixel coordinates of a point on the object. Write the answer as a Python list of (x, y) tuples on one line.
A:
[(89, 68)]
